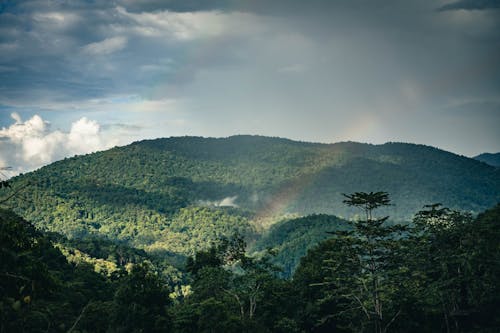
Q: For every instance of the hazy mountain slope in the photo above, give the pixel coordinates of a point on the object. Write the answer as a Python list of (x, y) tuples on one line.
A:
[(148, 193), (290, 239), (488, 158)]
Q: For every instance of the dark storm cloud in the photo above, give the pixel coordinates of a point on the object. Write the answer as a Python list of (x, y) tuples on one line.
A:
[(320, 70), (71, 50), (40, 42), (471, 5), (78, 50), (176, 5)]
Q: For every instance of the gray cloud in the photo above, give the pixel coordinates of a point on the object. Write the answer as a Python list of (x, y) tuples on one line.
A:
[(319, 70), (80, 52), (176, 5), (471, 5), (127, 127)]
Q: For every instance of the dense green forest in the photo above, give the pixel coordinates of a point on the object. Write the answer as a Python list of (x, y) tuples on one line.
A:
[(173, 196), (438, 274), (290, 239), (252, 234)]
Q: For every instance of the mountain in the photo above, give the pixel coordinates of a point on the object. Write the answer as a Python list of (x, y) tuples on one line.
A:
[(176, 195), (488, 158)]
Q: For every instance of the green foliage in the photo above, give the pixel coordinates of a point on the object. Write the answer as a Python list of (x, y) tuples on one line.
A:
[(143, 192), (439, 275), (36, 281), (290, 239), (141, 301), (317, 312), (233, 292), (367, 201), (195, 228), (457, 258), (41, 291), (110, 225), (361, 266), (162, 195)]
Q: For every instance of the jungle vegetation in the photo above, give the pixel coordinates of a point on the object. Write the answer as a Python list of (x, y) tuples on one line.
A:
[(252, 234)]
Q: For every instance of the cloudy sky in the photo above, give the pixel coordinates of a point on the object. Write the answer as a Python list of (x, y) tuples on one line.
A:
[(78, 76)]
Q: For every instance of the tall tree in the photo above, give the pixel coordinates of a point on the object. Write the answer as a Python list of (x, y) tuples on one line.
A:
[(141, 302), (362, 266), (457, 260)]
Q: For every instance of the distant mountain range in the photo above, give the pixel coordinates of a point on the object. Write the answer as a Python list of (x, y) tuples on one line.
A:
[(175, 195), (488, 158)]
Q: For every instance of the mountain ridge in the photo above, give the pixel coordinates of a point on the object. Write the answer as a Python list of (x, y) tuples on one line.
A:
[(492, 159), (153, 193)]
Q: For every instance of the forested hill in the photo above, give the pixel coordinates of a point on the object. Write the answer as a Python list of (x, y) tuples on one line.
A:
[(491, 159), (440, 275), (269, 176), (169, 198)]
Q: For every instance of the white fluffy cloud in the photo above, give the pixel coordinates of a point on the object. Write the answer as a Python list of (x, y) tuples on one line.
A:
[(27, 145)]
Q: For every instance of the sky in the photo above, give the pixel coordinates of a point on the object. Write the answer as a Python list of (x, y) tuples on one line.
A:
[(80, 76)]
